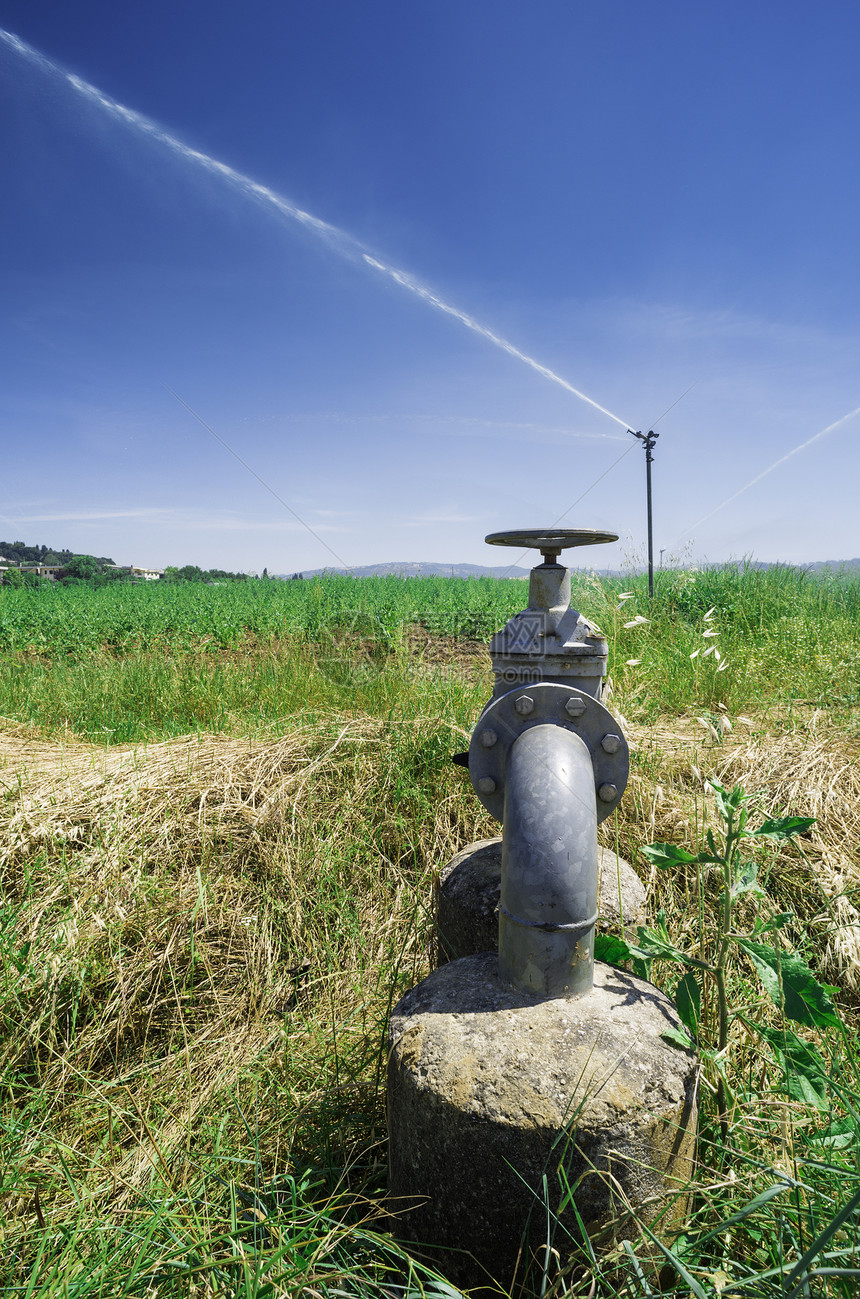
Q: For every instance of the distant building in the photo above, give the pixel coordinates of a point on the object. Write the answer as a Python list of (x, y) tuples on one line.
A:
[(136, 573), (42, 570)]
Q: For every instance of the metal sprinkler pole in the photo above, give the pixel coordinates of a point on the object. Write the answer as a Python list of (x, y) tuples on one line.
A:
[(648, 440)]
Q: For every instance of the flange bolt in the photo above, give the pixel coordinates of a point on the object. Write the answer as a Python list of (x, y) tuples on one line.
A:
[(607, 793), (610, 743), (524, 705), (488, 738), (486, 785), (575, 706)]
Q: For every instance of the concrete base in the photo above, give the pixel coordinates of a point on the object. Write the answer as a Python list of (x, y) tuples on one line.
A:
[(491, 1090), (467, 898)]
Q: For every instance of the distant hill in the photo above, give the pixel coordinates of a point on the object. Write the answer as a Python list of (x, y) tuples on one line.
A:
[(416, 570), (833, 563), (419, 569)]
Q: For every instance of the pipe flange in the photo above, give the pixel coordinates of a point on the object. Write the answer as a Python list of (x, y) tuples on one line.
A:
[(542, 704)]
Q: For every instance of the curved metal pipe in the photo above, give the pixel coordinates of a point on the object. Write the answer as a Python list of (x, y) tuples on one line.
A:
[(548, 905)]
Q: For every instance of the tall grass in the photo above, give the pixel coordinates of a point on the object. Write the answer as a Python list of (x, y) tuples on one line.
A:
[(200, 946), (254, 690), (783, 636)]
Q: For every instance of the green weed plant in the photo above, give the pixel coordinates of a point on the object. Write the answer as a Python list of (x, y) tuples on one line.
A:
[(758, 1248)]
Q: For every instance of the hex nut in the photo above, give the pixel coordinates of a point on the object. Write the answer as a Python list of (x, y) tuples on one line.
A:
[(524, 705), (607, 793), (488, 738), (575, 706), (486, 785), (610, 743)]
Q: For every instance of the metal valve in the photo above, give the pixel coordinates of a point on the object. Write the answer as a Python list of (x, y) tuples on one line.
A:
[(549, 761), (549, 641)]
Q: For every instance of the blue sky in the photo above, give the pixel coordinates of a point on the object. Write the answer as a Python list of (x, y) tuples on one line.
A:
[(641, 198)]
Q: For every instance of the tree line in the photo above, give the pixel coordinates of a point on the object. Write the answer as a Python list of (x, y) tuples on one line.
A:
[(73, 568), (17, 552)]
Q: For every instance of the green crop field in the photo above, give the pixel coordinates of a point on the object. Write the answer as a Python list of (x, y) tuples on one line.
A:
[(150, 660), (121, 617), (223, 809)]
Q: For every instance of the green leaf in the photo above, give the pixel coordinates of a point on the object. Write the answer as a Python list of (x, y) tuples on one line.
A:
[(838, 1135), (728, 801), (784, 827), (804, 1071), (688, 999), (791, 985), (666, 855), (612, 950), (745, 879), (655, 944), (776, 922), (751, 1207), (679, 1037)]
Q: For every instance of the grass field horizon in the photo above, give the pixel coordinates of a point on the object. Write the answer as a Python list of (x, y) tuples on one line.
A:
[(223, 810)]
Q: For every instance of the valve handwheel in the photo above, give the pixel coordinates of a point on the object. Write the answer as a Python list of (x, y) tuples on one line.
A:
[(550, 541)]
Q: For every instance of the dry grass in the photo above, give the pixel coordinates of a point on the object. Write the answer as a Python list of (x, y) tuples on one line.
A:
[(811, 770), (815, 771), (186, 910), (214, 920)]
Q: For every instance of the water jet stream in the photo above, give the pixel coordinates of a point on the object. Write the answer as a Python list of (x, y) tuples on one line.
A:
[(843, 419), (345, 244)]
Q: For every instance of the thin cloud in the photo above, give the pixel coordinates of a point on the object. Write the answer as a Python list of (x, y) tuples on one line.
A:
[(449, 425), (176, 519), (220, 524), (86, 516)]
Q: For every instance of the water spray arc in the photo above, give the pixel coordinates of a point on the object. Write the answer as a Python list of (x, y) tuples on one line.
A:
[(831, 428), (400, 277), (347, 246), (340, 241)]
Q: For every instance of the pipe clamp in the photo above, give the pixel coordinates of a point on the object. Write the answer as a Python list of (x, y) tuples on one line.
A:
[(547, 926)]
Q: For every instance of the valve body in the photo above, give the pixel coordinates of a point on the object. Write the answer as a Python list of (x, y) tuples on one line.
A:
[(549, 761)]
